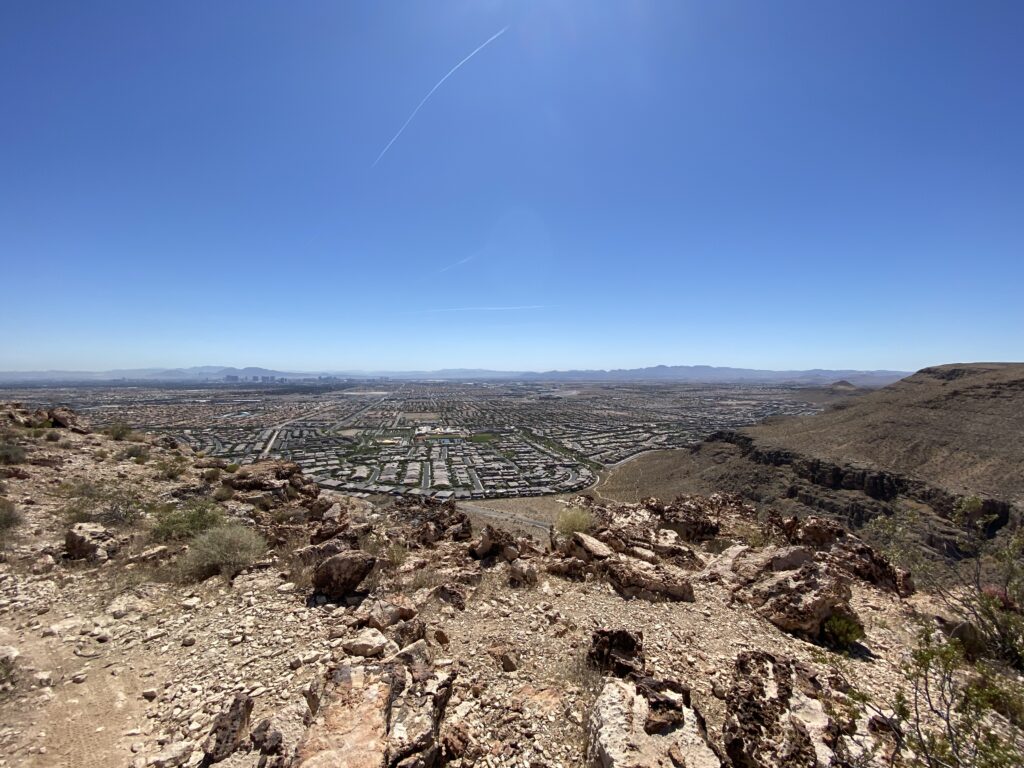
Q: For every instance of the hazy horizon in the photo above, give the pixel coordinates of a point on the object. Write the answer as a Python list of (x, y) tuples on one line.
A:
[(517, 186)]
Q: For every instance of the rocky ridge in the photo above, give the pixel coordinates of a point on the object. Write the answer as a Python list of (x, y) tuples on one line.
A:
[(398, 635)]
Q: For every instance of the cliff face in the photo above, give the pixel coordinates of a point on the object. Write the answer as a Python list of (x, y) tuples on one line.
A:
[(812, 481), (917, 448), (943, 433)]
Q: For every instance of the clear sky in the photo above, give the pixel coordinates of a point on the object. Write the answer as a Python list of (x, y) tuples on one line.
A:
[(605, 184)]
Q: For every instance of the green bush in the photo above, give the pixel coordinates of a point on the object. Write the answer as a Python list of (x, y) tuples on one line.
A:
[(231, 468), (183, 522), (574, 520), (211, 475), (170, 469), (224, 550), (118, 430), (137, 453), (223, 493), (53, 436), (842, 631), (10, 517), (11, 453), (91, 503)]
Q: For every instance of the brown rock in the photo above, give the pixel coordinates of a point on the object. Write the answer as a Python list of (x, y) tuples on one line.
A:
[(229, 728), (617, 651), (339, 575), (89, 541), (635, 578), (773, 716)]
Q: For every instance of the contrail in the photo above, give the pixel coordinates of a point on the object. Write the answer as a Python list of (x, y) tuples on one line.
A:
[(440, 82), (458, 263)]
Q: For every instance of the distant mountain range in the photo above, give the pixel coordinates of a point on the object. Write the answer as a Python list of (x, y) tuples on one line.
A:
[(697, 374)]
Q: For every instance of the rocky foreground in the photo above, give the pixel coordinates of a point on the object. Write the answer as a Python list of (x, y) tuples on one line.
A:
[(650, 634)]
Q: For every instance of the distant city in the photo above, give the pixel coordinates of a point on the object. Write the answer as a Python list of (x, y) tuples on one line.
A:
[(461, 440)]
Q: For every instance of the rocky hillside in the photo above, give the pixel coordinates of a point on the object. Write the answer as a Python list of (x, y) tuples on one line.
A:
[(158, 608), (916, 449)]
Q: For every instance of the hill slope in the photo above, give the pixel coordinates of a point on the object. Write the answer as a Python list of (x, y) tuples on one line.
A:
[(917, 445)]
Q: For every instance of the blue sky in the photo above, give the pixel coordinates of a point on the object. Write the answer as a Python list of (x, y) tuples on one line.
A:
[(779, 185)]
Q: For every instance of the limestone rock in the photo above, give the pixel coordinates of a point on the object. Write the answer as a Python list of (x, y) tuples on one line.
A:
[(369, 642), (635, 578), (774, 717), (384, 613), (89, 541), (351, 726), (618, 738)]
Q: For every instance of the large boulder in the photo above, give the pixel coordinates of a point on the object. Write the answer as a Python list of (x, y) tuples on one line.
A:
[(351, 724), (278, 480), (65, 418), (804, 601), (89, 541), (493, 543), (381, 614), (796, 590), (369, 642), (635, 578), (845, 551), (774, 716), (339, 575)]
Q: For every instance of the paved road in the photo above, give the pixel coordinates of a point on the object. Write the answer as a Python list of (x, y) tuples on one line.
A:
[(277, 428), (504, 516)]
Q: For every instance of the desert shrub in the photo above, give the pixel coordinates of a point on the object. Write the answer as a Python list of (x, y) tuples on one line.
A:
[(231, 468), (185, 521), (423, 578), (983, 592), (211, 475), (170, 469), (118, 431), (842, 631), (137, 453), (52, 436), (395, 554), (225, 550), (10, 517), (93, 503), (574, 520), (224, 493), (11, 452), (81, 489), (943, 714)]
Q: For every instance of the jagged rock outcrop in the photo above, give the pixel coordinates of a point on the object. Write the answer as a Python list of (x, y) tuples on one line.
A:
[(59, 416), (789, 586), (351, 725), (229, 729), (635, 578), (626, 730), (89, 541), (774, 716), (385, 715), (495, 543), (275, 481), (844, 550)]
